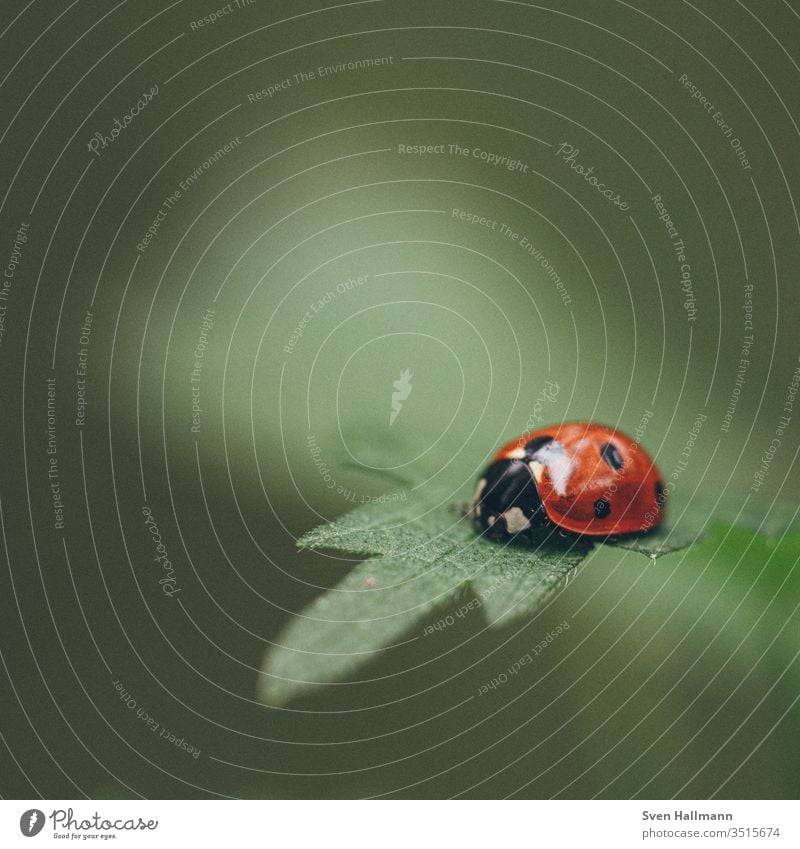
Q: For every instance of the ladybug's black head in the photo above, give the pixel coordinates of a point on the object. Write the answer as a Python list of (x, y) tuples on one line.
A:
[(507, 501)]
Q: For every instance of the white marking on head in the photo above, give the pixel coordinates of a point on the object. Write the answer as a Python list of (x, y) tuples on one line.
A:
[(537, 469), (558, 464), (517, 454), (491, 520), (479, 490), (515, 520)]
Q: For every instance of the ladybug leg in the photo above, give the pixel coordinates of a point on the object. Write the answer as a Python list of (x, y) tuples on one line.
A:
[(566, 539), (462, 508)]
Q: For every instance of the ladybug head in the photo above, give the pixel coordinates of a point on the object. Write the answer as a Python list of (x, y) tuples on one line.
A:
[(507, 501)]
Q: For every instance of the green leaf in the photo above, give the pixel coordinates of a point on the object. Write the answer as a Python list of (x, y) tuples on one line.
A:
[(367, 612), (428, 568), (429, 555), (511, 577), (767, 518), (664, 540)]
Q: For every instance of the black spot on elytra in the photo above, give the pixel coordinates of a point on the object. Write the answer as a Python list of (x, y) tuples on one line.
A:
[(535, 444), (661, 496), (601, 508), (610, 453)]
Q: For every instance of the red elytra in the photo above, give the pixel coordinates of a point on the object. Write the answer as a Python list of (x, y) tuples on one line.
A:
[(592, 479)]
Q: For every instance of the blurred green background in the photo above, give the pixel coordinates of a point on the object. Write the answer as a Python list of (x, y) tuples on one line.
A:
[(489, 284)]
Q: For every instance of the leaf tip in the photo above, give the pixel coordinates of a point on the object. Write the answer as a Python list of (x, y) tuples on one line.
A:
[(275, 690)]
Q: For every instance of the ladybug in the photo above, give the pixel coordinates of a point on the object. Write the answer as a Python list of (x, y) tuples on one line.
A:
[(580, 478)]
